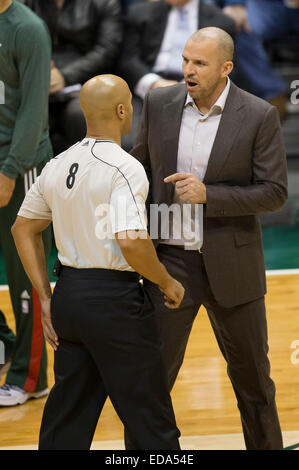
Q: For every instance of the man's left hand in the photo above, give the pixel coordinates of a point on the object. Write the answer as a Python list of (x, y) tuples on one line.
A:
[(189, 187), (240, 16), (7, 186)]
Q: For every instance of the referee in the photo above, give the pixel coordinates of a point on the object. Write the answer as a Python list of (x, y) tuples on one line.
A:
[(99, 321)]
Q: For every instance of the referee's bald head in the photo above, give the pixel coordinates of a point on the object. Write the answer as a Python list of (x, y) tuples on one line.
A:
[(105, 101)]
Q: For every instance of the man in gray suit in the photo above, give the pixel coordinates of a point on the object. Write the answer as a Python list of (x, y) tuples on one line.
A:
[(209, 142)]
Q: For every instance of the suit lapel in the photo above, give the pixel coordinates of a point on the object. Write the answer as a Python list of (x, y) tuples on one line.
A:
[(229, 127), (171, 124)]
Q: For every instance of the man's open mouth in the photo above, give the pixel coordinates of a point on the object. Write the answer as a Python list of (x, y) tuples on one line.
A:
[(191, 83)]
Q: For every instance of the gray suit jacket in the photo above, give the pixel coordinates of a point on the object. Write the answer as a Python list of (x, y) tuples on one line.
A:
[(246, 176)]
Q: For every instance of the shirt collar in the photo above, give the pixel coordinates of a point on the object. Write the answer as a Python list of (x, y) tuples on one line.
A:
[(217, 107), (191, 6)]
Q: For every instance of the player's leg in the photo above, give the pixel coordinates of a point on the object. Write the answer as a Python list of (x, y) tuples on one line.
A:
[(28, 370), (7, 339)]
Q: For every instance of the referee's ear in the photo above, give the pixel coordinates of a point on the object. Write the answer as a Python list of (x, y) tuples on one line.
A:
[(121, 112)]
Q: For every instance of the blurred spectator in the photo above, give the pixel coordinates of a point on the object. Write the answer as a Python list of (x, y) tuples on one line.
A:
[(86, 38), (259, 22), (125, 4), (273, 19), (25, 147), (236, 9), (155, 36)]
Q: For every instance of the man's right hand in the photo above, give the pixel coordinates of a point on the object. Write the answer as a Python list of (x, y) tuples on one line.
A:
[(173, 293)]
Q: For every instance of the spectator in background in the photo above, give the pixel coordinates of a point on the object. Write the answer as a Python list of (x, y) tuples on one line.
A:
[(86, 38), (258, 22), (273, 19), (155, 35), (125, 4), (25, 147)]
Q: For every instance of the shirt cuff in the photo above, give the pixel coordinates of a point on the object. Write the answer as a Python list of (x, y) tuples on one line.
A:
[(28, 214), (9, 169), (144, 84)]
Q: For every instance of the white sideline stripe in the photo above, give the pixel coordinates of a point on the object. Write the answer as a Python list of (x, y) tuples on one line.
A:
[(271, 272), (209, 442), (5, 286), (281, 272)]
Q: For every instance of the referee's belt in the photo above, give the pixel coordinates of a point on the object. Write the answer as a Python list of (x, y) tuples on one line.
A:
[(94, 273)]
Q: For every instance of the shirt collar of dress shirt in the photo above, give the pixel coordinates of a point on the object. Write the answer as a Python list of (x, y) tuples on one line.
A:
[(217, 107), (190, 7)]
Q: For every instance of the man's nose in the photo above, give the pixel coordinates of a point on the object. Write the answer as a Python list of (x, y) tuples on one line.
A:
[(189, 69)]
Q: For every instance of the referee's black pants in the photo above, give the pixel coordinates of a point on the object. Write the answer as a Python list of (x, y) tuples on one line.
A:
[(108, 346)]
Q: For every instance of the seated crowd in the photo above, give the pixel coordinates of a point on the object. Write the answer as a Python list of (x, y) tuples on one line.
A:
[(142, 41)]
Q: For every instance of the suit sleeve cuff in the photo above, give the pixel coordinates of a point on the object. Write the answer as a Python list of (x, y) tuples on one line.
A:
[(212, 206)]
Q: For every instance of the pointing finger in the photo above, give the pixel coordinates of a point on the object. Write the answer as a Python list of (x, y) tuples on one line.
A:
[(176, 177)]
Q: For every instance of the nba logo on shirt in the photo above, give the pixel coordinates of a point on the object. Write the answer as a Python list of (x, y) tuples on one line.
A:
[(25, 297)]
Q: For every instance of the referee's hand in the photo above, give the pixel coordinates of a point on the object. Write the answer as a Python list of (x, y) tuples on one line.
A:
[(7, 186), (49, 332), (173, 293)]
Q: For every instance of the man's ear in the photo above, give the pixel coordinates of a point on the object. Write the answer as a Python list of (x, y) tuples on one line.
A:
[(120, 109), (227, 68)]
